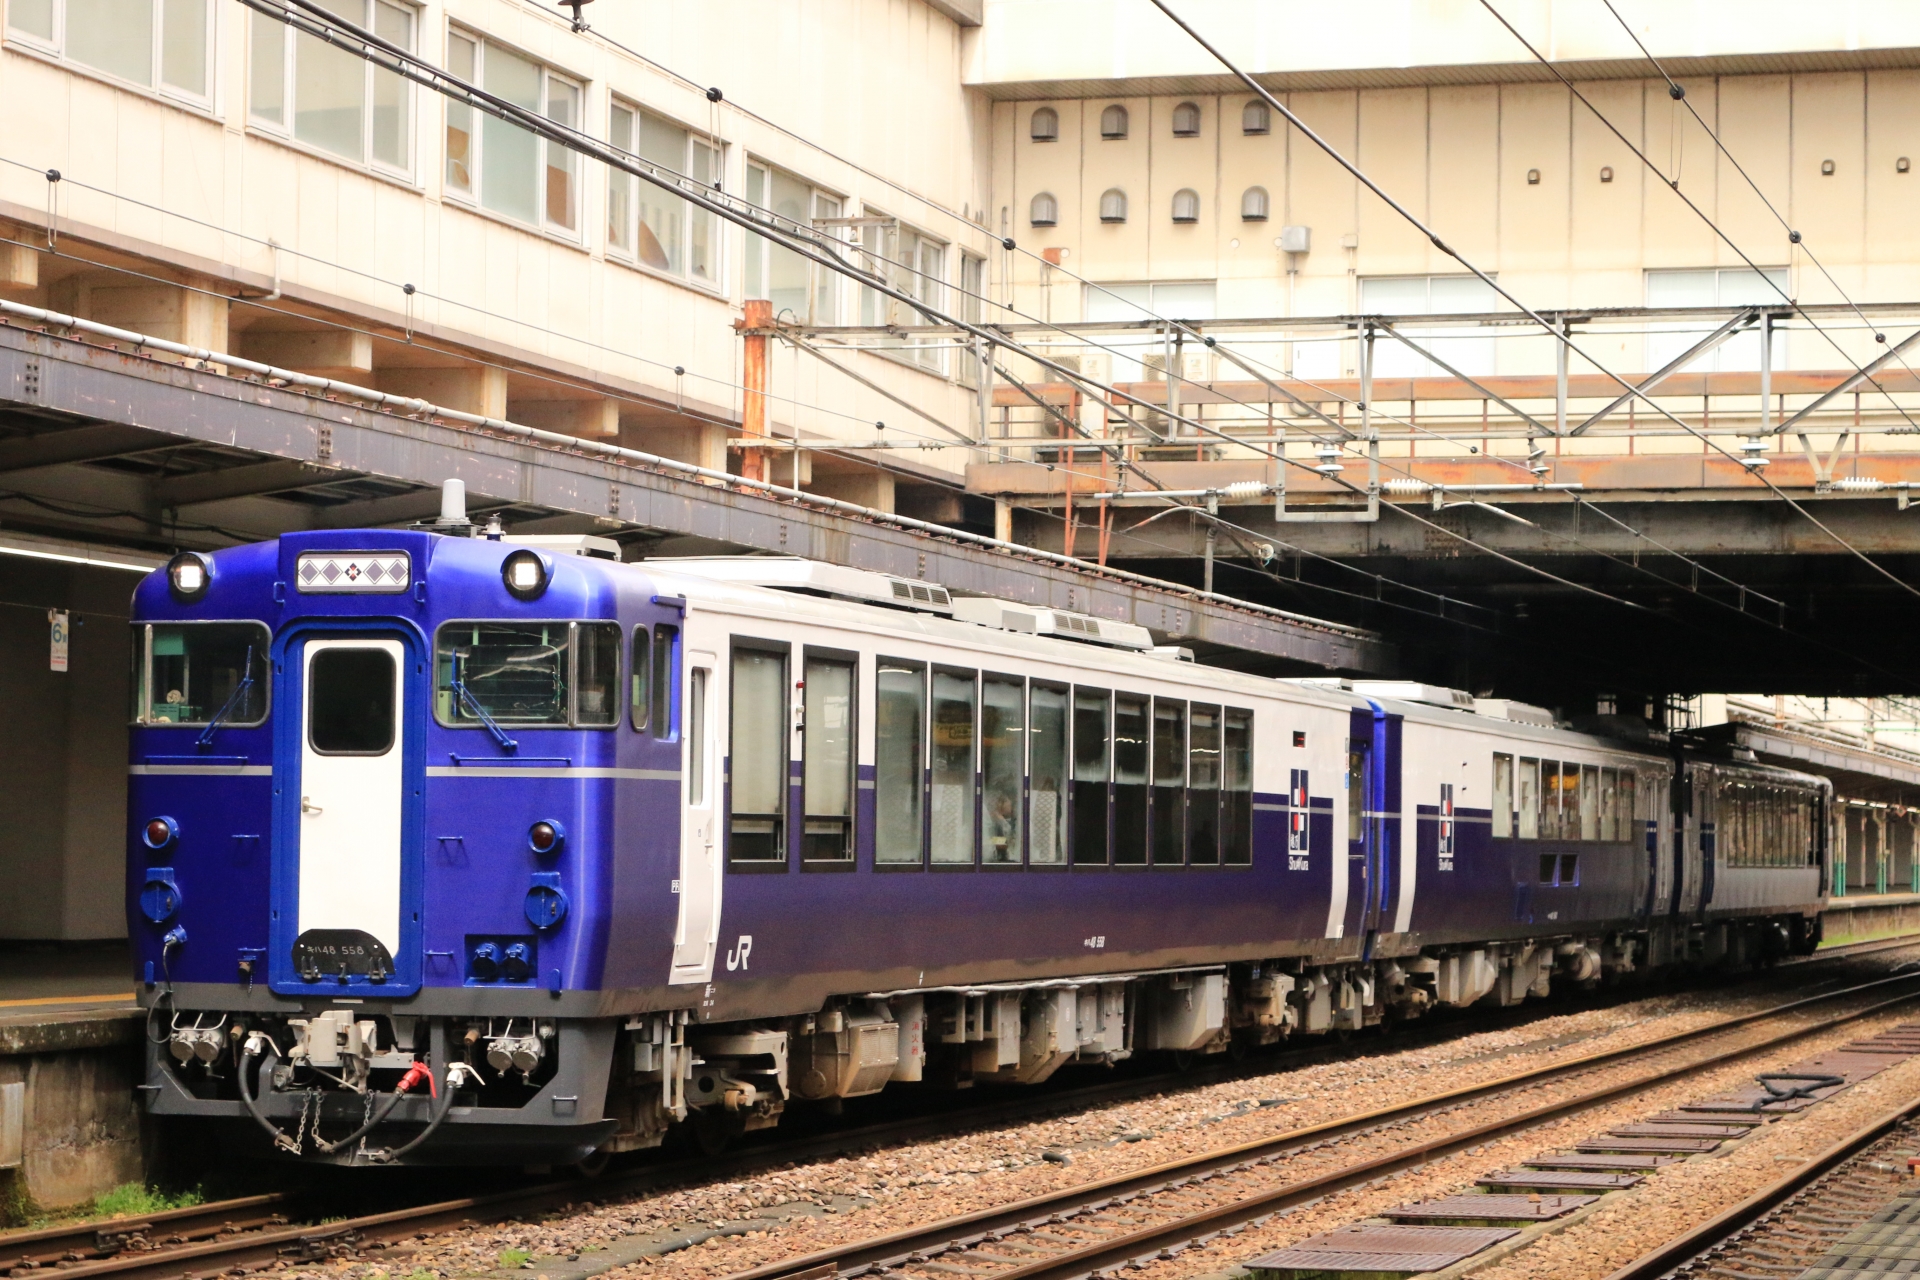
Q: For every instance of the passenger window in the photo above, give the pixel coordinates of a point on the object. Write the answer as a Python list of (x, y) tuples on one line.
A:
[(1631, 826), (1203, 786), (826, 747), (1549, 863), (900, 753), (1589, 803), (1502, 797), (1569, 801), (1169, 782), (1091, 711), (1130, 735), (596, 684), (1047, 768), (1569, 870), (1002, 766), (1609, 798), (640, 679), (1236, 800), (952, 813), (759, 757), (1528, 789), (665, 675)]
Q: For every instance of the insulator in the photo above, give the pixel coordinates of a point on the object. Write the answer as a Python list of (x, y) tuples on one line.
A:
[(1859, 484), (1244, 489), (1407, 486)]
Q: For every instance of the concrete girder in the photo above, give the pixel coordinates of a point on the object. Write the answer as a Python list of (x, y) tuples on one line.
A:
[(114, 387)]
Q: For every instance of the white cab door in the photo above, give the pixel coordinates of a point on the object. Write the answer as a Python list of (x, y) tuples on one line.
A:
[(698, 927), (351, 788)]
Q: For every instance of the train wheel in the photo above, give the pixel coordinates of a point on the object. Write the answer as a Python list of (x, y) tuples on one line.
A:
[(593, 1166), (715, 1132)]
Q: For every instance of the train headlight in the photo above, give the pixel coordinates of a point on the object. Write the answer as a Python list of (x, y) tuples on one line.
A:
[(517, 966), (525, 574), (188, 577), (160, 833), (546, 837), (485, 964)]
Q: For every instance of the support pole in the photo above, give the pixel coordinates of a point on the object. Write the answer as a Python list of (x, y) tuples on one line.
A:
[(1766, 373), (1213, 509), (753, 326), (1560, 383)]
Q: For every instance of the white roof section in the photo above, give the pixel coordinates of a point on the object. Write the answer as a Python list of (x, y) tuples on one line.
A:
[(791, 573), (1009, 615)]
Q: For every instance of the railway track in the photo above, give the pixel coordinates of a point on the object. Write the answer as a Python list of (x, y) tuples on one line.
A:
[(1802, 1220), (1080, 1230)]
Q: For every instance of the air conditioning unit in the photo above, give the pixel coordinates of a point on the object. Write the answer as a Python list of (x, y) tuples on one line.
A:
[(1433, 695), (1516, 712), (1006, 615), (791, 573)]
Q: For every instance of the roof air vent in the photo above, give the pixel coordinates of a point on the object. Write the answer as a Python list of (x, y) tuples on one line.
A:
[(790, 573), (1035, 620)]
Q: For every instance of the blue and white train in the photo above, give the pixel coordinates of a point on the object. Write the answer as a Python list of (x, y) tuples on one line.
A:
[(453, 846)]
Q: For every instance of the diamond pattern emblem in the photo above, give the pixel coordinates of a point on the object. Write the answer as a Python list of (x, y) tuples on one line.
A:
[(378, 572)]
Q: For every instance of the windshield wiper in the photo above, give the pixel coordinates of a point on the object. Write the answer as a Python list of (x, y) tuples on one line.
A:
[(472, 704), (233, 700)]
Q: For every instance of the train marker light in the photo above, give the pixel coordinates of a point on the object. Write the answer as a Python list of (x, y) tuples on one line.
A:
[(518, 966), (486, 962), (160, 833), (188, 577), (525, 574), (546, 837)]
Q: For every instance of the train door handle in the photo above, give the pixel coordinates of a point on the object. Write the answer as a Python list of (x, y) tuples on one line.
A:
[(308, 806)]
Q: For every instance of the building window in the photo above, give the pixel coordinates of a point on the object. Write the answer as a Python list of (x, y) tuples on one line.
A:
[(331, 98), (916, 264), (507, 169), (1253, 205), (1186, 121), (1468, 349), (651, 226), (1044, 126), (800, 290), (1186, 205), (1044, 211), (1113, 205), (1724, 287), (157, 44), (1134, 302), (1113, 122), (1256, 117)]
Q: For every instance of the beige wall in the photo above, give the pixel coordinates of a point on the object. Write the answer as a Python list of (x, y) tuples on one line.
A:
[(873, 85), (1459, 158)]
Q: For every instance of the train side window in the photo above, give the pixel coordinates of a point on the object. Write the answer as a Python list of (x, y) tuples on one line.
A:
[(826, 754), (1356, 790), (900, 755), (1003, 732), (666, 650), (1569, 801), (1502, 797), (1629, 826), (1608, 788), (1092, 733), (1569, 870), (1203, 786), (1589, 802), (1236, 777), (1169, 782), (1131, 731), (194, 673), (1047, 772), (955, 722), (758, 752), (596, 674), (1527, 788), (640, 679)]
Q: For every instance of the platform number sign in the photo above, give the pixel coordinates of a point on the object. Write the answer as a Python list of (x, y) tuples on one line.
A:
[(57, 622), (1298, 817), (1446, 826)]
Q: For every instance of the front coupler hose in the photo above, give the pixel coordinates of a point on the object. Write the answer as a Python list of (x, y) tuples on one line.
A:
[(258, 1044)]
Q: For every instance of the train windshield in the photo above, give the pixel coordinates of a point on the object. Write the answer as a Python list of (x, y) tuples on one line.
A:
[(196, 672), (513, 673)]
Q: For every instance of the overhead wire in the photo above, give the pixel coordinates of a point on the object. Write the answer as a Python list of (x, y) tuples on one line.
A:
[(1559, 333)]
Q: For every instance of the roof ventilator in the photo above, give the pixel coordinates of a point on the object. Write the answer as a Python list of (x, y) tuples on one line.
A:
[(1034, 620)]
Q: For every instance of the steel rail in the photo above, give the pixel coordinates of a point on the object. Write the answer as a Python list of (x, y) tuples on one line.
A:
[(102, 1237), (1682, 1249), (903, 1248)]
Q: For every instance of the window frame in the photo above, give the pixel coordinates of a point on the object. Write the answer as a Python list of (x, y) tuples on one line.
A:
[(1114, 219), (1064, 793), (1052, 210), (628, 255), (758, 251), (783, 650), (55, 47), (1186, 206), (283, 130), (1256, 108), (1186, 113), (143, 655), (1255, 194), (1033, 124), (923, 781), (573, 673), (471, 197), (1125, 119), (852, 660)]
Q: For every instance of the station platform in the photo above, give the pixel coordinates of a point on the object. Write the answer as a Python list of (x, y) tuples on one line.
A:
[(70, 1031), (1868, 917)]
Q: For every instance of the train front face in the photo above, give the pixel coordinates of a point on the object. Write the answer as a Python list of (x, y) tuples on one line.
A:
[(372, 836)]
